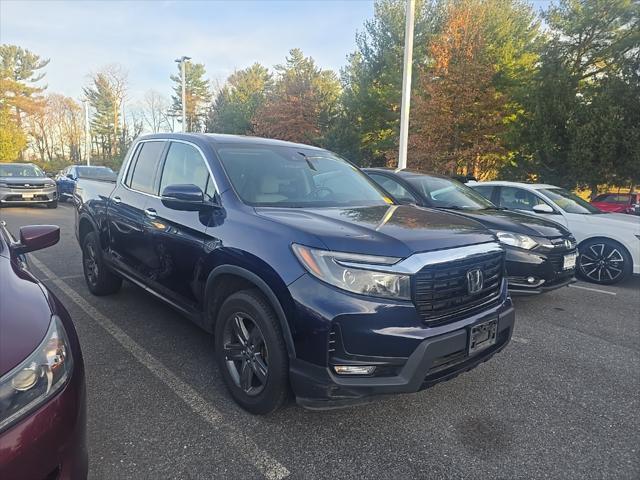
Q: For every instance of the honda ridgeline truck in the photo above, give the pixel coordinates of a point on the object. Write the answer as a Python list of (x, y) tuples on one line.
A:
[(310, 278)]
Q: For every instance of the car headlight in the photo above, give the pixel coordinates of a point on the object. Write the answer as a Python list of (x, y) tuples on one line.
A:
[(337, 269), (516, 240), (37, 378)]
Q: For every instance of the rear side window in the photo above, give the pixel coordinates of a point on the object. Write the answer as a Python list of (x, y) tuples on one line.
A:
[(518, 199), (394, 188), (485, 190), (185, 165), (144, 169)]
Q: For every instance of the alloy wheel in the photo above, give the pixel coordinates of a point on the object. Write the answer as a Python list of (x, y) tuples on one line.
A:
[(246, 354), (90, 264), (601, 262)]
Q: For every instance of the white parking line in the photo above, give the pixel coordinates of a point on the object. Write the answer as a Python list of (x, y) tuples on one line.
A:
[(593, 289), (269, 467)]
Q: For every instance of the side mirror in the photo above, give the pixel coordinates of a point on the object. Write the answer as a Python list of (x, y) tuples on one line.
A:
[(36, 237), (543, 208), (188, 197), (70, 176)]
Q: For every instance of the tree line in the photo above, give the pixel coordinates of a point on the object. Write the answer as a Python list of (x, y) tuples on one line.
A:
[(499, 90)]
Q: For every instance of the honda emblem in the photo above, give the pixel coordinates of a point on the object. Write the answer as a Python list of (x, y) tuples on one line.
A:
[(474, 280)]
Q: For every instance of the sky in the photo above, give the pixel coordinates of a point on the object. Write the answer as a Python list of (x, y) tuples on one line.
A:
[(145, 36), (80, 37)]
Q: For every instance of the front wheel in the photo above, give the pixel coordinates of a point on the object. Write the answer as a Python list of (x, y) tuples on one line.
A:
[(53, 204), (251, 354), (604, 262), (100, 280)]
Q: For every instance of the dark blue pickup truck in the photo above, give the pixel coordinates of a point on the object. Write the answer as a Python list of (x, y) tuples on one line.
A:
[(310, 278)]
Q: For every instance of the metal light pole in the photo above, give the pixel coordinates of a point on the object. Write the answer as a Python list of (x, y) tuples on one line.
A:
[(406, 84), (87, 137), (182, 60)]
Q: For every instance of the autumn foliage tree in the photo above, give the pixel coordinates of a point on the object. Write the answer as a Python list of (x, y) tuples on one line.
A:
[(458, 115), (302, 103), (237, 101)]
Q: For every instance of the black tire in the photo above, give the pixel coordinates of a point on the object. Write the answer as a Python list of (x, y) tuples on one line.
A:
[(100, 279), (604, 262), (262, 355), (53, 204)]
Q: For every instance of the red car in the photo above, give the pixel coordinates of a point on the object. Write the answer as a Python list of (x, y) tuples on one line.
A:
[(618, 202), (42, 385)]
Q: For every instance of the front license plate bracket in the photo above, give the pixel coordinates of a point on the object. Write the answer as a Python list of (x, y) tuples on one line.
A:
[(482, 336), (569, 261)]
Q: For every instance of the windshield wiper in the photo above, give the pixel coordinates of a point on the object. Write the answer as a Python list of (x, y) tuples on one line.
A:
[(452, 207)]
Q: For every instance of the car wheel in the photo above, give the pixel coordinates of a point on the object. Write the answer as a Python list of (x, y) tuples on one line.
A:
[(603, 261), (53, 204), (100, 279), (250, 352)]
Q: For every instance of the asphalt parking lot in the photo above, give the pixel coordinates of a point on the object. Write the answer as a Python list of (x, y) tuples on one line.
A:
[(561, 401)]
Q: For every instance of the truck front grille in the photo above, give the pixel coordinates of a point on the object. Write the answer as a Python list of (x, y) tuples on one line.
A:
[(27, 186), (441, 291)]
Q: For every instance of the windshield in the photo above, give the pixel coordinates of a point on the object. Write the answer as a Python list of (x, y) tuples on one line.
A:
[(17, 170), (98, 173), (569, 202), (447, 193), (267, 175)]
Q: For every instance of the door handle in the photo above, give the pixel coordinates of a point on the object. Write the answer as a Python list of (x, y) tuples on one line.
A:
[(151, 213), (116, 199)]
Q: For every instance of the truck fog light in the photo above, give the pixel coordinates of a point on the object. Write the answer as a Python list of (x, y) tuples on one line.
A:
[(531, 279), (354, 369)]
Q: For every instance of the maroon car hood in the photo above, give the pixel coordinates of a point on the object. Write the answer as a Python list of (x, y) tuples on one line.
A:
[(24, 315)]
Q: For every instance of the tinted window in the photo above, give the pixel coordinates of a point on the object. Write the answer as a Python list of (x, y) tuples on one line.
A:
[(184, 165), (485, 190), (448, 193), (394, 188), (97, 173), (296, 177), (144, 170), (519, 199), (569, 202)]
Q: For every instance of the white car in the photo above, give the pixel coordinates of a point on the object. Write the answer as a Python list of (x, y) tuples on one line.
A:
[(609, 243)]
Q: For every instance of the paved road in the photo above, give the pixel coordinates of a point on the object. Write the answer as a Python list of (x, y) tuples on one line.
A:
[(561, 401)]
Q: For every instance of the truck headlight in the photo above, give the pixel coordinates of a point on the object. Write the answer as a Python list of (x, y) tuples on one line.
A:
[(336, 268), (38, 377), (516, 240)]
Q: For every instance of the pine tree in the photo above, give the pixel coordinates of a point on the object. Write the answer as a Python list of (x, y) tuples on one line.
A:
[(197, 94)]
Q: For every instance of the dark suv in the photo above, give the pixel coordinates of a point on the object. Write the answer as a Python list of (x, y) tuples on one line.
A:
[(308, 275)]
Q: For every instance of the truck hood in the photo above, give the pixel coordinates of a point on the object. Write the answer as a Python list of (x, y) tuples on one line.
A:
[(509, 221), (388, 230)]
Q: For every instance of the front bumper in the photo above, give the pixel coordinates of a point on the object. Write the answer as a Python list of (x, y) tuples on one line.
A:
[(545, 268), (20, 196), (408, 354)]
